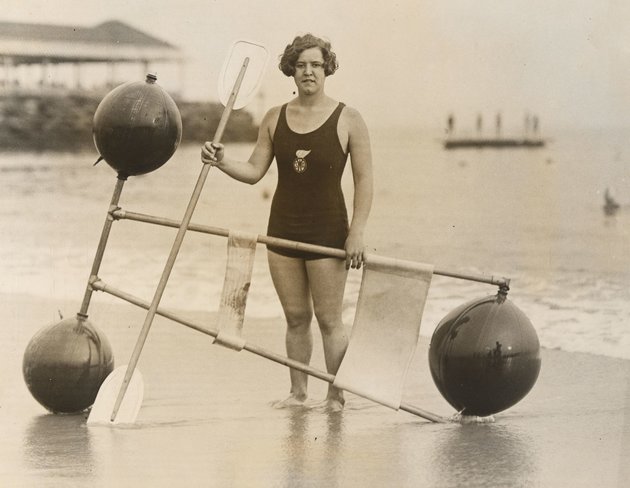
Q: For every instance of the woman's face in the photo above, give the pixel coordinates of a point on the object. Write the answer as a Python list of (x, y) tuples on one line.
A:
[(309, 71)]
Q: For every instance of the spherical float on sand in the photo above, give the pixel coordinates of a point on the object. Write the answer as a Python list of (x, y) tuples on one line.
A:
[(484, 356), (65, 364), (137, 127)]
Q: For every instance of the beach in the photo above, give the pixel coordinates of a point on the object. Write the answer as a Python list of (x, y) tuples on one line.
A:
[(542, 205), (206, 418)]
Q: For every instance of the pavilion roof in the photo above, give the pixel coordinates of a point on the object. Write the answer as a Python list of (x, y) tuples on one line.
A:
[(109, 41)]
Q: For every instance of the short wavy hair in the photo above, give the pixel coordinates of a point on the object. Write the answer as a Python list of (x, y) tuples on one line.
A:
[(292, 52)]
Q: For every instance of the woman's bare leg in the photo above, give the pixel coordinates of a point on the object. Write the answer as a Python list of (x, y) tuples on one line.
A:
[(327, 279), (291, 282)]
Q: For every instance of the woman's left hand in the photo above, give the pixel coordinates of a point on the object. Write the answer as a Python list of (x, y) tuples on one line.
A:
[(354, 251)]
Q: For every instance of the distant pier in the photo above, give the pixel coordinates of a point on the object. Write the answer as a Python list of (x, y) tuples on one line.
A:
[(529, 139), (492, 143)]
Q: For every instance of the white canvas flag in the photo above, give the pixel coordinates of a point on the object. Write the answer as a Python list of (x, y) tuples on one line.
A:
[(238, 276), (386, 329)]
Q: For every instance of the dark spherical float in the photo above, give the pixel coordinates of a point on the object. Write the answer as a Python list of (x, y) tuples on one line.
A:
[(65, 364), (484, 356), (137, 127)]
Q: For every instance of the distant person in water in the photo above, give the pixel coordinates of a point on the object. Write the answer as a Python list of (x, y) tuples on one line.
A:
[(526, 125), (310, 138), (610, 204)]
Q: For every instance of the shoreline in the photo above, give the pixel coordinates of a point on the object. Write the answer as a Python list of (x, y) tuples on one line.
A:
[(67, 118), (67, 307)]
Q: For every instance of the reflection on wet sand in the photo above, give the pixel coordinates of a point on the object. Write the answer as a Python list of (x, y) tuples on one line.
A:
[(469, 454), (310, 453), (333, 446), (295, 445), (59, 445)]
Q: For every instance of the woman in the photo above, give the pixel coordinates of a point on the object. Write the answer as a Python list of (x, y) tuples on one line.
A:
[(310, 137)]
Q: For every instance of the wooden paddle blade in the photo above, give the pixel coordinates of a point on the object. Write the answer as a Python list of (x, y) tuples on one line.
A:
[(257, 55), (106, 398)]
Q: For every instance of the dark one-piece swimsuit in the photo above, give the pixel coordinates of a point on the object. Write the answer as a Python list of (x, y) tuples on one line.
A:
[(308, 204)]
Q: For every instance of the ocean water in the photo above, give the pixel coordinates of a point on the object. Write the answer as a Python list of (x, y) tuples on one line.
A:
[(534, 216)]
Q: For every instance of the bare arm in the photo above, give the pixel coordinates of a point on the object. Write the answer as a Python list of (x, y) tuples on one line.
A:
[(252, 170), (361, 159)]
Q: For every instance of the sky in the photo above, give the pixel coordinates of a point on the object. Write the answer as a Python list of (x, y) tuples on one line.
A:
[(402, 63)]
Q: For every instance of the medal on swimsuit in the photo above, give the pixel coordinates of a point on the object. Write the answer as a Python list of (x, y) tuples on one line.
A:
[(299, 163)]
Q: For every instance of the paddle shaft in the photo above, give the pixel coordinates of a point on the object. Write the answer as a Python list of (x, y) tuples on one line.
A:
[(301, 246), (177, 245), (102, 243), (259, 351)]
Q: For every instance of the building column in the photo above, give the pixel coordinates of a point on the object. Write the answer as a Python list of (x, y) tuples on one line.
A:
[(181, 66), (77, 76), (45, 72), (7, 62), (113, 73)]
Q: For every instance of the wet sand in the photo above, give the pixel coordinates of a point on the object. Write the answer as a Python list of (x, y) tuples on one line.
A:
[(206, 420)]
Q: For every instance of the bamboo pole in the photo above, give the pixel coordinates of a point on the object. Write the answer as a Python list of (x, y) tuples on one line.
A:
[(183, 227), (100, 250), (254, 349), (501, 282)]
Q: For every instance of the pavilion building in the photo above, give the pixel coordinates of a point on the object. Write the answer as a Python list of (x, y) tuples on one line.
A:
[(40, 57)]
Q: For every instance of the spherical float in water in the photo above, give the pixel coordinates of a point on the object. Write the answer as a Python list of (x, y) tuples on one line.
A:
[(484, 356), (65, 364), (137, 127)]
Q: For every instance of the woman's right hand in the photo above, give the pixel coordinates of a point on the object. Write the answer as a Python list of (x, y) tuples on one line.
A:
[(212, 153)]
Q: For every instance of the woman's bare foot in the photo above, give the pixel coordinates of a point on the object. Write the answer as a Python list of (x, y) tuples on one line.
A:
[(328, 405), (290, 402)]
